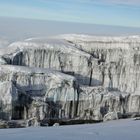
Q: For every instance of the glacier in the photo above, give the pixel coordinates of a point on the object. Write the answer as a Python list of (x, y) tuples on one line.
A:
[(70, 77)]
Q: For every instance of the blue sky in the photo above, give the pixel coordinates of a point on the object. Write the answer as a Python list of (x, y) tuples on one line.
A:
[(107, 12)]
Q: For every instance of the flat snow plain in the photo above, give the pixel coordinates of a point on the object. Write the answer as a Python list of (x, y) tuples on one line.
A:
[(113, 130)]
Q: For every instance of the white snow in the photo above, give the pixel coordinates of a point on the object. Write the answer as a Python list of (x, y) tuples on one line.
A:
[(113, 130), (104, 42), (88, 38), (30, 70)]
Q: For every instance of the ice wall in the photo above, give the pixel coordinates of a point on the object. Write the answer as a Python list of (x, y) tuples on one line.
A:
[(71, 77)]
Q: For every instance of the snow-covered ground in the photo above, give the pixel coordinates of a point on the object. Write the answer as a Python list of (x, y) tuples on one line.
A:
[(113, 130)]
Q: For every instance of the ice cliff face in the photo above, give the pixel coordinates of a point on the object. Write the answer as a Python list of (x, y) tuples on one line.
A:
[(53, 54), (34, 88), (70, 77), (118, 58)]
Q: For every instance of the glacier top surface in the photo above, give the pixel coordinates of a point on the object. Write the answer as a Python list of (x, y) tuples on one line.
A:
[(82, 37), (59, 45), (67, 43)]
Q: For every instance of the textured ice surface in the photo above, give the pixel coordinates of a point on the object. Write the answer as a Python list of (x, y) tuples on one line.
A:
[(72, 77)]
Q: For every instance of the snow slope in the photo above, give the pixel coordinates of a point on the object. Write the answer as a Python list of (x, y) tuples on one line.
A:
[(114, 130)]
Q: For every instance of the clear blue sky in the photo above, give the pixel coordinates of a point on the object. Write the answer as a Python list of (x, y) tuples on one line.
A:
[(107, 12)]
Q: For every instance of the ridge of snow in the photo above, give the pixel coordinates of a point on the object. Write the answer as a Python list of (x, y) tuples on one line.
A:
[(31, 70), (38, 43), (88, 38)]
